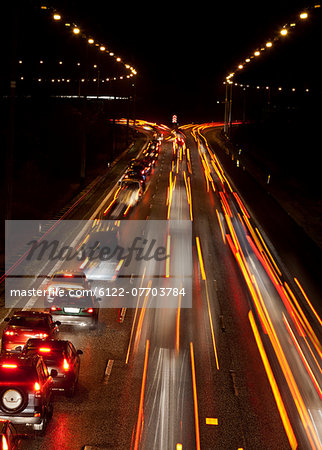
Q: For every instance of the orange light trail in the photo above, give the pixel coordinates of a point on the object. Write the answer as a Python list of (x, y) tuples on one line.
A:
[(278, 399), (202, 269), (308, 301), (140, 415), (302, 356), (195, 400)]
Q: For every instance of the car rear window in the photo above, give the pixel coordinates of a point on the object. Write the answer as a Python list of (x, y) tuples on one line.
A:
[(19, 375), (29, 322)]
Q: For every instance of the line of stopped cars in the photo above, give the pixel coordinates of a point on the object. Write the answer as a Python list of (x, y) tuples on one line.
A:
[(34, 362), (132, 185)]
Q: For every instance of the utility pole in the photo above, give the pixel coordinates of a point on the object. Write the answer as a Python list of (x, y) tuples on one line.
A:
[(226, 110), (230, 106)]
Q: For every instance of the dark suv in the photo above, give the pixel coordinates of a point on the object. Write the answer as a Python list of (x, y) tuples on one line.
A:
[(25, 390)]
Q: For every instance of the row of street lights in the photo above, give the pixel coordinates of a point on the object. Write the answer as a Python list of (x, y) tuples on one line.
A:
[(77, 31), (283, 32)]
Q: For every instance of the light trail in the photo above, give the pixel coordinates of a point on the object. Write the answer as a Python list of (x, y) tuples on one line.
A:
[(195, 399)]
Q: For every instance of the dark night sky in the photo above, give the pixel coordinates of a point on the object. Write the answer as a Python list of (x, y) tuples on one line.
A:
[(183, 51)]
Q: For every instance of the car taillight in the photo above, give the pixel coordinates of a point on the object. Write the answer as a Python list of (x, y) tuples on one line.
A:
[(142, 171), (4, 443), (65, 365), (88, 310), (44, 350), (69, 275), (9, 333), (55, 308), (36, 387), (43, 335), (9, 366)]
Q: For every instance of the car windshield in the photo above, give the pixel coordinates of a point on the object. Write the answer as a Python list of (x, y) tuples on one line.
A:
[(29, 322)]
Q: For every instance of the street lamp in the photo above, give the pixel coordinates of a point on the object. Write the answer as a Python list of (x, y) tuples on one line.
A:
[(283, 31), (56, 16)]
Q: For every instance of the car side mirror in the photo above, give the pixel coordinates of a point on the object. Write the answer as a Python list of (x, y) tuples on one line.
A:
[(57, 323), (53, 373), (79, 352)]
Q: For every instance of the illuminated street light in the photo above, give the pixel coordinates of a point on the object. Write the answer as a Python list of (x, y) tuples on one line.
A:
[(56, 16), (240, 66), (118, 59), (304, 15), (257, 53), (90, 41), (283, 31), (76, 30), (102, 48), (269, 44)]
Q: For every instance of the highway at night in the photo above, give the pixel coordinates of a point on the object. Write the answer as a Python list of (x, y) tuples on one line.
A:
[(160, 255), (239, 369)]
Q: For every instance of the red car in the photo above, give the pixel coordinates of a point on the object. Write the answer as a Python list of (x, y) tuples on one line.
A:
[(24, 325)]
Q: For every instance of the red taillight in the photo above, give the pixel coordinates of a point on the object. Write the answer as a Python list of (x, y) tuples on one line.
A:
[(65, 364), (4, 443), (36, 387), (9, 366), (69, 275), (142, 171), (44, 350), (55, 308), (9, 333), (88, 310)]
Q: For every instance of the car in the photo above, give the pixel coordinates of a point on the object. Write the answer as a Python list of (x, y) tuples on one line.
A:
[(76, 308), (133, 175), (60, 355), (148, 162), (95, 265), (9, 438), (24, 325), (131, 191), (66, 279), (138, 166), (26, 391)]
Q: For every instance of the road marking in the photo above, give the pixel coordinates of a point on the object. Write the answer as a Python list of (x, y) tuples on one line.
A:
[(211, 421), (108, 370), (212, 328)]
